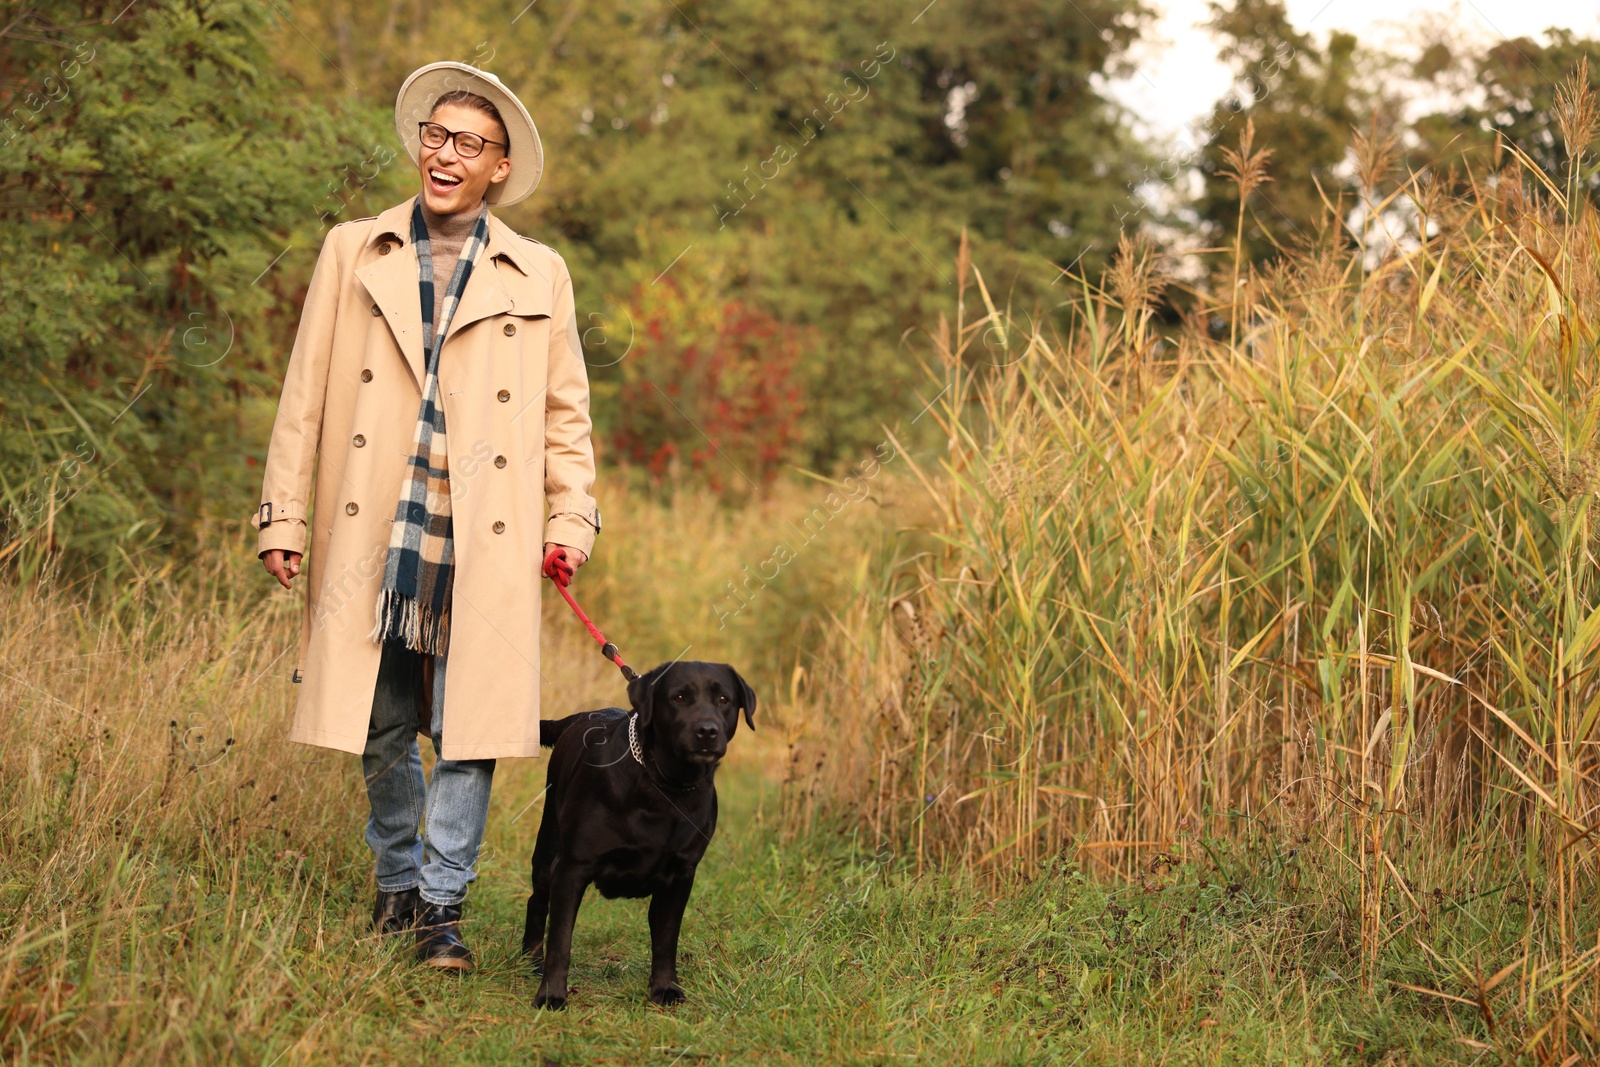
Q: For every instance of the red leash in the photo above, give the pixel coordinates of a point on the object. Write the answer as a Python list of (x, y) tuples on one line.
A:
[(558, 570)]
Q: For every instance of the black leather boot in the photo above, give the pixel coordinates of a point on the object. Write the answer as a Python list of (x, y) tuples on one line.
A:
[(396, 912), (439, 941)]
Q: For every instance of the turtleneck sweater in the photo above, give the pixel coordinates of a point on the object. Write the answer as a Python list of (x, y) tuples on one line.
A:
[(447, 235)]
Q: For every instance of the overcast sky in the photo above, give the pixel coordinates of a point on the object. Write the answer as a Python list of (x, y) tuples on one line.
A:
[(1179, 77)]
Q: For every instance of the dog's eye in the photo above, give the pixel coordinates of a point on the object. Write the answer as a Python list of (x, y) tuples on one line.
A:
[(722, 698), (680, 697)]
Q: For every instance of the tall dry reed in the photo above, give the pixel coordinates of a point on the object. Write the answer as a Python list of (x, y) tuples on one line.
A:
[(1334, 578)]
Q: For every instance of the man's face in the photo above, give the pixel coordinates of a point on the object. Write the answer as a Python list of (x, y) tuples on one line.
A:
[(452, 182)]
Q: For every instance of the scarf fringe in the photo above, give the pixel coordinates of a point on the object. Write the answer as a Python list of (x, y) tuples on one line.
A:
[(415, 625)]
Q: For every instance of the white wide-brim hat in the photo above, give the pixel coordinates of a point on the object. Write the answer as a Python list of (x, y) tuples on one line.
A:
[(427, 84)]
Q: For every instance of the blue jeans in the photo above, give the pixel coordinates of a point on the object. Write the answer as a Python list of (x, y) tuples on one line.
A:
[(451, 809)]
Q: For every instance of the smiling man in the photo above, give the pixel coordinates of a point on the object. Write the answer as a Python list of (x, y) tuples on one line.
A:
[(437, 398)]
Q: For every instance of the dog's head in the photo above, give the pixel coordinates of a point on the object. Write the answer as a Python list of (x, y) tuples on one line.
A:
[(692, 708)]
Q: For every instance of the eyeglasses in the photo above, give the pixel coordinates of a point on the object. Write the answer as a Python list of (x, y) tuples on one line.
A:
[(467, 144)]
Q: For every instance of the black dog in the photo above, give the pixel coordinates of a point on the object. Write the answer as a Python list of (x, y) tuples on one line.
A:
[(630, 806)]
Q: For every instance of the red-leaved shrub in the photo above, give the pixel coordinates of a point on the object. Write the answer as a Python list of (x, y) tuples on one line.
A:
[(709, 390)]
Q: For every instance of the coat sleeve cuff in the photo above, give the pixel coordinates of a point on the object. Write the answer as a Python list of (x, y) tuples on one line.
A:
[(286, 534), (572, 530)]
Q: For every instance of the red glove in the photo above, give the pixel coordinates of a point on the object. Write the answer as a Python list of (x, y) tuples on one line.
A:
[(557, 568)]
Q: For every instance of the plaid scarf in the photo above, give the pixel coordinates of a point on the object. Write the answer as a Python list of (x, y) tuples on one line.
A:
[(414, 605)]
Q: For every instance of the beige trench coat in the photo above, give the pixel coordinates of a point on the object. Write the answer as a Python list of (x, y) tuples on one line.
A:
[(516, 403)]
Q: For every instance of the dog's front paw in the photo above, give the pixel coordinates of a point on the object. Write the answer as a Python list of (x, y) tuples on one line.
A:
[(550, 1001), (667, 996)]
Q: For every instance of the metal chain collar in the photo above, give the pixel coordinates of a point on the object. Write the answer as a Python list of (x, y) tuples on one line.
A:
[(638, 757), (633, 739)]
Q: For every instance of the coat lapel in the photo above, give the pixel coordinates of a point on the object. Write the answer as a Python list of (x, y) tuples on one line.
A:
[(484, 297), (391, 281), (494, 291)]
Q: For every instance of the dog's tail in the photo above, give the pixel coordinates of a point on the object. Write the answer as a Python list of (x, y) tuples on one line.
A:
[(550, 730)]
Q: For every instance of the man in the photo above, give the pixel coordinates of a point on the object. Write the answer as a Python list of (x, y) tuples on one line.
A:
[(438, 389)]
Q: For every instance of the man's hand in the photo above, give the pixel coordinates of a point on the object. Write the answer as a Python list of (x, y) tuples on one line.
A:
[(558, 571), (281, 565), (575, 557)]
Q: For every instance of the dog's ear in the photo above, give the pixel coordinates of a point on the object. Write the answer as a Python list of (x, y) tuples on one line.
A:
[(642, 691), (747, 698)]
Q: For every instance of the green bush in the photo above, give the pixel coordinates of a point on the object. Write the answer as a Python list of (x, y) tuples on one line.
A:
[(164, 187)]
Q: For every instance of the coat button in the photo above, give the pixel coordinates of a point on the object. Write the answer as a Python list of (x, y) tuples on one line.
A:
[(376, 311), (499, 527), (511, 328), (499, 461), (383, 249), (366, 376), (505, 396), (350, 508), (359, 440)]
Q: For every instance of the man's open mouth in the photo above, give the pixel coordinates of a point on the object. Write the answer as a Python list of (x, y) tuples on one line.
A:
[(444, 179)]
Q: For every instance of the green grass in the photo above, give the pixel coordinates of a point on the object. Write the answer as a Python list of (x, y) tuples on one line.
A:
[(808, 951)]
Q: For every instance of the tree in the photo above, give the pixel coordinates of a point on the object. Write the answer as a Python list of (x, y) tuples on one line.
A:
[(820, 158), (1304, 101), (1504, 90)]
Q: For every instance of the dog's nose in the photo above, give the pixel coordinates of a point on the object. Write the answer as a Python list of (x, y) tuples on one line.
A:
[(707, 731)]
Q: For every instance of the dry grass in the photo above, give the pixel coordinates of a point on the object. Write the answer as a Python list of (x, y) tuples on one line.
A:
[(176, 872)]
